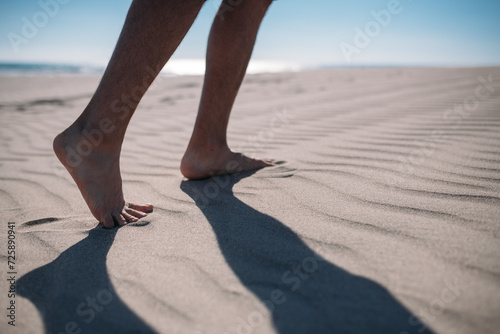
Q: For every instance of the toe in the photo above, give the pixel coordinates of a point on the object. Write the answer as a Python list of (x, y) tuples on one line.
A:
[(108, 222), (262, 163), (120, 220), (270, 162), (129, 218), (135, 213), (141, 207)]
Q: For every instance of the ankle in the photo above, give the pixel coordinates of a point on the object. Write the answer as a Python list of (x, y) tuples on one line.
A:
[(101, 135), (209, 147)]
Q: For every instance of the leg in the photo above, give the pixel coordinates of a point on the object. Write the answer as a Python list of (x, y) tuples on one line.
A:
[(90, 147), (230, 46)]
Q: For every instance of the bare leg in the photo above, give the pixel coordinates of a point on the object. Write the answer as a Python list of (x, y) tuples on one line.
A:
[(230, 46), (90, 147)]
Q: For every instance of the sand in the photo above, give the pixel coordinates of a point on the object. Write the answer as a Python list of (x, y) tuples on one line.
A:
[(383, 218)]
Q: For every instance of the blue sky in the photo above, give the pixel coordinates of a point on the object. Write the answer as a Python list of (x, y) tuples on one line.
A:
[(310, 33)]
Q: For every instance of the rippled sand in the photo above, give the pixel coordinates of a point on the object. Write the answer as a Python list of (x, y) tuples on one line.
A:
[(384, 216)]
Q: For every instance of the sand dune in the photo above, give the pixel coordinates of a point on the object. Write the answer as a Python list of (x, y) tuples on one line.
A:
[(384, 216)]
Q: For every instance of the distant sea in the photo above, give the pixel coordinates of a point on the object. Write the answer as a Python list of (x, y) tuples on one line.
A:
[(175, 67), (180, 67), (34, 69)]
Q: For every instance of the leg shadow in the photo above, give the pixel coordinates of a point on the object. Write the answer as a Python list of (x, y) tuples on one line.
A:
[(303, 292), (73, 293)]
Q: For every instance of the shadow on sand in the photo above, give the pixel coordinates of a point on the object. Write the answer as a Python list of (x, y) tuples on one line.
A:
[(74, 292), (303, 292)]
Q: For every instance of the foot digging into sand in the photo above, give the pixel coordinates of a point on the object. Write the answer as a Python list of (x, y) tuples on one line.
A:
[(97, 175)]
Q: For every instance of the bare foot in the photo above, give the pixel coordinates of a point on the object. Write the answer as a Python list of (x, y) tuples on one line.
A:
[(96, 171), (202, 163)]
